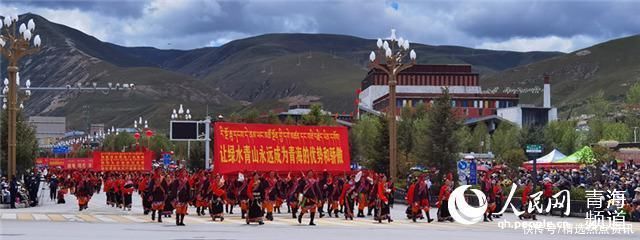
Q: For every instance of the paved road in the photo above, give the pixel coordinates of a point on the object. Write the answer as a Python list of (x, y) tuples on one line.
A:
[(63, 221)]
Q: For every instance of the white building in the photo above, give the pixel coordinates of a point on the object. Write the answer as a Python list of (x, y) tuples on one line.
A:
[(48, 129)]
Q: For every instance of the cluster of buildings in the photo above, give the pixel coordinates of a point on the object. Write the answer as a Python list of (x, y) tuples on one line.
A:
[(422, 84)]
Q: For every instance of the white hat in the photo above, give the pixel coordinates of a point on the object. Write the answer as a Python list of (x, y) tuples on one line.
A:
[(637, 189), (547, 179)]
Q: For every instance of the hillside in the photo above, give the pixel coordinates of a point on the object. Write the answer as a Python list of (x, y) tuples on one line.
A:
[(610, 66), (276, 66), (69, 57), (261, 71)]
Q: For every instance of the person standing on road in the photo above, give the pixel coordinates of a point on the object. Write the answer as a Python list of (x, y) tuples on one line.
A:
[(443, 200), (158, 195), (256, 193), (13, 191), (310, 200), (348, 197), (382, 200), (180, 187), (143, 187), (53, 187), (217, 199), (127, 192)]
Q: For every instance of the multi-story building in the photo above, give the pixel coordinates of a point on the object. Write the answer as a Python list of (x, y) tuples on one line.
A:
[(48, 129), (424, 83)]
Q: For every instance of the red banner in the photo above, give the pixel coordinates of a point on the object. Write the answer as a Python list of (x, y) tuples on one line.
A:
[(66, 163), (122, 161), (78, 163), (265, 147)]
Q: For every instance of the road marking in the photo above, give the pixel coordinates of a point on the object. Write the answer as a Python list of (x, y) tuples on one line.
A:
[(132, 218), (11, 216), (104, 218), (57, 217), (40, 217), (192, 220), (120, 219), (87, 218), (72, 218), (24, 216)]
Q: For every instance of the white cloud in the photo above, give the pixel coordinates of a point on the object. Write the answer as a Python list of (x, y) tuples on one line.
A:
[(188, 24), (549, 43)]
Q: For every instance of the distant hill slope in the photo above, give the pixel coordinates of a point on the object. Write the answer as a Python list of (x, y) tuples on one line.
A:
[(610, 66), (266, 70), (276, 66), (69, 57)]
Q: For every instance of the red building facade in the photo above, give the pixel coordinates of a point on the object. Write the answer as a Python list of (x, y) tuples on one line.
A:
[(424, 83)]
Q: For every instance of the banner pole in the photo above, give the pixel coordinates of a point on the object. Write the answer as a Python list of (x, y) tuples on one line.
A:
[(207, 143)]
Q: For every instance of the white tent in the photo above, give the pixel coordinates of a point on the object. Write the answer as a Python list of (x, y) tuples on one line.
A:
[(553, 156)]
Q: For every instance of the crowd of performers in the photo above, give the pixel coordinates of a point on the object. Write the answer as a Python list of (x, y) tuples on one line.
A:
[(260, 195)]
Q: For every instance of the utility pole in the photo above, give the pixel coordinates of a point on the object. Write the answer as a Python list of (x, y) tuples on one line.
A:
[(207, 143)]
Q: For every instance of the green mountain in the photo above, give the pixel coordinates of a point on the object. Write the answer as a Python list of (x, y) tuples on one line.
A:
[(262, 72), (610, 66)]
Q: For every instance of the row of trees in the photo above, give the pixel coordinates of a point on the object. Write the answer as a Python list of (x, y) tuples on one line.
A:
[(27, 144), (426, 137)]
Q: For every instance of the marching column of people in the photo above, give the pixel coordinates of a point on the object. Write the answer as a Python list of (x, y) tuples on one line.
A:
[(260, 195)]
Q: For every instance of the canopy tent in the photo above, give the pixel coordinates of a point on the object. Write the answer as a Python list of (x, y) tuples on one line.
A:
[(552, 157), (575, 157)]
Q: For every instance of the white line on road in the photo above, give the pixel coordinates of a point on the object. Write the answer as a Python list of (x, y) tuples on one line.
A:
[(105, 218), (72, 218), (135, 219), (40, 217), (11, 216)]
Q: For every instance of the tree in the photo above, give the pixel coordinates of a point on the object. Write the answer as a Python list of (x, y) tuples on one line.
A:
[(405, 133), (465, 138), (633, 94), (272, 118), (380, 161), (123, 141), (196, 156), (160, 143), (251, 116), (316, 117), (505, 138), (442, 127), (598, 105), (369, 137), (421, 140), (563, 136), (289, 121), (513, 159), (479, 138), (616, 131), (27, 144), (531, 135)]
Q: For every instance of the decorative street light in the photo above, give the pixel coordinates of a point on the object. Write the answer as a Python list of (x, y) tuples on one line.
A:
[(389, 60), (181, 114), (14, 45)]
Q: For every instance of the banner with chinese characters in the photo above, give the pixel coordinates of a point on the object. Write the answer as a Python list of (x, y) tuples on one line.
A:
[(266, 147), (78, 163), (66, 163), (122, 161)]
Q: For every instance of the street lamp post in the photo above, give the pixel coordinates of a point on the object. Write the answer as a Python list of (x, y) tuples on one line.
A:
[(389, 60), (14, 47), (186, 115)]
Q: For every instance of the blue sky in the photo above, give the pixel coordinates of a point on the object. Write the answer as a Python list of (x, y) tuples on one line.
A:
[(524, 25)]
